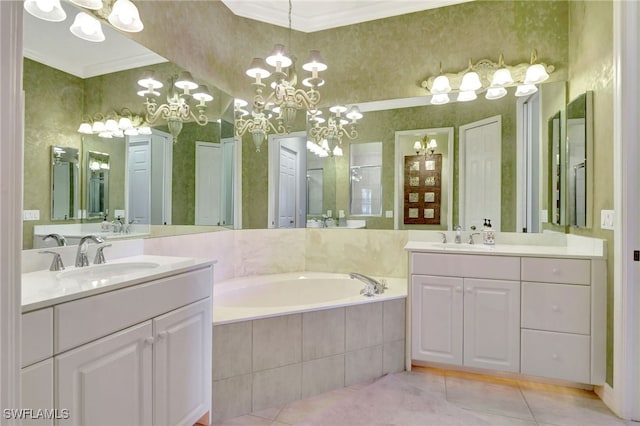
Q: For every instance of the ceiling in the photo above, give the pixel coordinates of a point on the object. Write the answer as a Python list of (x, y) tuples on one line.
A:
[(315, 15), (52, 44)]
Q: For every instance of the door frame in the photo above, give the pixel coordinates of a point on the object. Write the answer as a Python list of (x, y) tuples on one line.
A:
[(217, 146), (524, 166), (273, 179), (462, 158)]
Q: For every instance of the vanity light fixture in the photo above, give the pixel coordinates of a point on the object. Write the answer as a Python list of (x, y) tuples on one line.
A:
[(490, 77), (330, 137), (125, 16), (48, 10), (425, 145), (87, 28), (178, 109), (286, 99), (88, 4), (115, 125)]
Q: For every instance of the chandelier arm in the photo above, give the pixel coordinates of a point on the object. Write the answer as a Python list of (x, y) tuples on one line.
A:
[(201, 118), (156, 112), (308, 100)]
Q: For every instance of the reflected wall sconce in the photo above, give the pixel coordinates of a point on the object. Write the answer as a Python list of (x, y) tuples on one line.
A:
[(489, 77), (329, 137), (182, 89), (114, 125), (122, 14), (426, 145)]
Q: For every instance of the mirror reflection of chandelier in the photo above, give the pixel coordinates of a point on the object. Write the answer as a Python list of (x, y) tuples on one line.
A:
[(114, 124), (182, 89), (329, 137), (284, 99)]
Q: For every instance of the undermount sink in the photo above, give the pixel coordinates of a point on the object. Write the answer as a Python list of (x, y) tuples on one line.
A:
[(463, 246), (109, 270)]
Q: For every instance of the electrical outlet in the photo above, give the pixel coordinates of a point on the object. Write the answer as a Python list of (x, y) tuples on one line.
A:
[(544, 216), (31, 215), (607, 219), (388, 213)]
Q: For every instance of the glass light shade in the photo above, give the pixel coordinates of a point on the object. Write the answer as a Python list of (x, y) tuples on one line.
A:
[(124, 16), (441, 85), (258, 136), (105, 135), (278, 55), (48, 10), (149, 80), (185, 81), (495, 93), (202, 94), (94, 165), (98, 126), (440, 99), (85, 128), (144, 130), (466, 96), (132, 132), (148, 93), (417, 146), (338, 109), (104, 166), (118, 134), (470, 81), (502, 77), (88, 4), (240, 103), (432, 144), (258, 67), (337, 151), (87, 28), (315, 61), (354, 113), (125, 123), (111, 125), (535, 74), (526, 89)]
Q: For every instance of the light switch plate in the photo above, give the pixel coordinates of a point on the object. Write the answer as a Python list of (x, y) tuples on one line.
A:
[(388, 213), (544, 216), (607, 219), (117, 213), (31, 215)]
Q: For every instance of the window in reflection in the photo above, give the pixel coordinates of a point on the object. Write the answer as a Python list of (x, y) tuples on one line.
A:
[(366, 178)]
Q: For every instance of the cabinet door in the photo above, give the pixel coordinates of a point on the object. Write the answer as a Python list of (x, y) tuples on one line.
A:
[(492, 324), (436, 318), (37, 390), (182, 359), (109, 381)]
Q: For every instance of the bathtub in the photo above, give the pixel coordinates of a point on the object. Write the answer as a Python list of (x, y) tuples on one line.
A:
[(263, 296), (279, 338)]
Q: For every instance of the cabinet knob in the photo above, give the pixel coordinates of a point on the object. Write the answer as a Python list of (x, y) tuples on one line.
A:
[(554, 356), (149, 340), (555, 308), (555, 271), (162, 335)]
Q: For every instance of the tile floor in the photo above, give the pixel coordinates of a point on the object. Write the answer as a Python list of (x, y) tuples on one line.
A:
[(427, 396)]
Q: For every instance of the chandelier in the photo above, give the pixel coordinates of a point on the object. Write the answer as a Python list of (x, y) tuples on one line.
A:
[(329, 137), (122, 14), (114, 124), (284, 99), (490, 77), (182, 89)]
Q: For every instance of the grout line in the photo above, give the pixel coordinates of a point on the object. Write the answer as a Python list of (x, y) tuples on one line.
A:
[(527, 403)]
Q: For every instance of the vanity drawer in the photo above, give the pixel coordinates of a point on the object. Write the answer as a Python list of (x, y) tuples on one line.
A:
[(462, 265), (564, 271), (556, 307), (84, 320), (37, 336), (557, 355)]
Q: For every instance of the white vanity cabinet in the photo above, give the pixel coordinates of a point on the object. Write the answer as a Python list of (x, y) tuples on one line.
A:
[(468, 314), (138, 355)]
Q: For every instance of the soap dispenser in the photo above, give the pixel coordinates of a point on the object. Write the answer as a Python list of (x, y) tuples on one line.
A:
[(488, 235), (105, 226)]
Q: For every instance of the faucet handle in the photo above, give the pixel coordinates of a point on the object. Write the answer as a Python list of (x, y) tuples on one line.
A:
[(60, 240), (99, 259), (444, 237), (56, 262)]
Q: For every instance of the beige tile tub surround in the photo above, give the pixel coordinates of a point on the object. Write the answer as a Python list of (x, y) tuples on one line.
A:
[(268, 362)]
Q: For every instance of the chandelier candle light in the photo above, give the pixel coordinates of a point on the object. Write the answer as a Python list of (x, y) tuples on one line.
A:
[(115, 125), (177, 110), (330, 137), (488, 76)]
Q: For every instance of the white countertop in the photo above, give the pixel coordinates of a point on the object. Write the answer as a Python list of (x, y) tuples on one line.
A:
[(595, 250), (41, 289)]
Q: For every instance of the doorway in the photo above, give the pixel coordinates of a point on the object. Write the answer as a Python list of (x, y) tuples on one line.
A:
[(287, 180), (208, 183), (479, 166)]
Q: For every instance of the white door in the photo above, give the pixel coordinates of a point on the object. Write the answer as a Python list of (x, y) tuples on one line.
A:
[(109, 381), (161, 177), (287, 194), (492, 324), (480, 173), (228, 183), (436, 315), (182, 364), (208, 183), (139, 177), (37, 389)]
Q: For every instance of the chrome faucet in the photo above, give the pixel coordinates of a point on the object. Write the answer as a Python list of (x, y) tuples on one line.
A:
[(60, 240), (443, 240), (81, 255), (471, 237), (458, 239), (372, 286)]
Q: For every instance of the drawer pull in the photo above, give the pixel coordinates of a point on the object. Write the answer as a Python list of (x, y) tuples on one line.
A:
[(555, 308), (554, 356), (149, 341)]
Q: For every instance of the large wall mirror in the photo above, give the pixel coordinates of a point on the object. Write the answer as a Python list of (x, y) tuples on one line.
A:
[(65, 184), (580, 160), (96, 170)]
